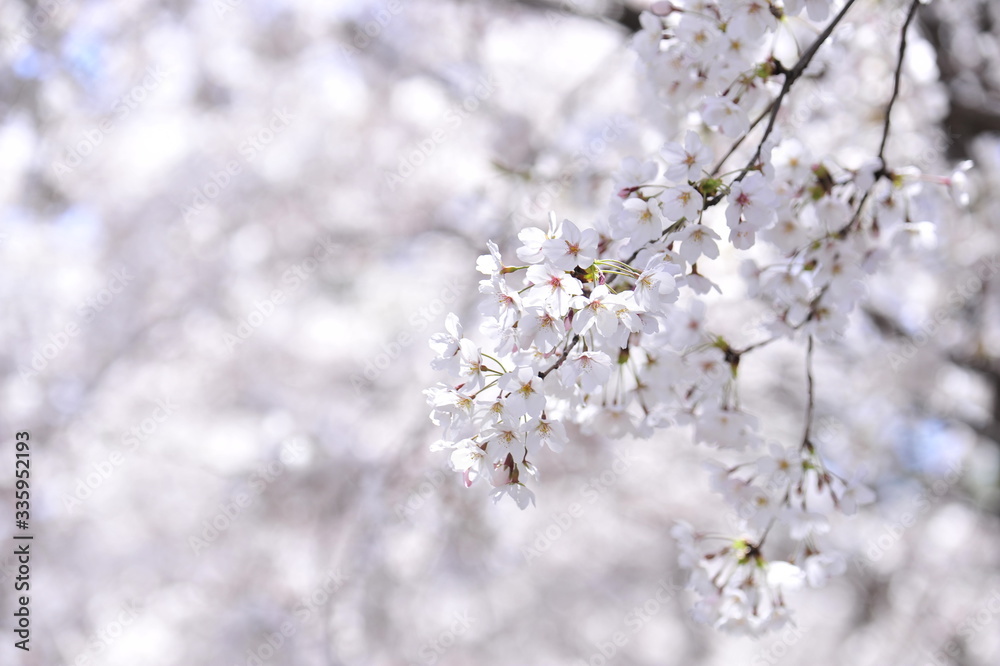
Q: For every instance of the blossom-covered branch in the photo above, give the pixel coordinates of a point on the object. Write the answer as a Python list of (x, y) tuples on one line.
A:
[(604, 328)]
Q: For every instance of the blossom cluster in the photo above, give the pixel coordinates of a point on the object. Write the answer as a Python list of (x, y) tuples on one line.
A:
[(603, 328)]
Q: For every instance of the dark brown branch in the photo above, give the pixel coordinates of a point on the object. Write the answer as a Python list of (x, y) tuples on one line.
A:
[(791, 76), (811, 404), (623, 15), (562, 359), (739, 141), (896, 79)]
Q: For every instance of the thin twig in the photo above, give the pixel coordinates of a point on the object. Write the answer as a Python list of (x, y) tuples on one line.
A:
[(739, 141), (896, 79), (790, 77), (810, 406), (757, 345), (562, 359)]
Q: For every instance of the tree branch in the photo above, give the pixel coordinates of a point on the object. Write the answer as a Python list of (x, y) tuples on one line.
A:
[(790, 77), (626, 17), (562, 359), (811, 392), (739, 141), (896, 79)]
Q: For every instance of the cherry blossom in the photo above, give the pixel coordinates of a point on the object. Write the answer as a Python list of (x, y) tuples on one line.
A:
[(552, 288), (686, 161), (607, 328), (571, 248)]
